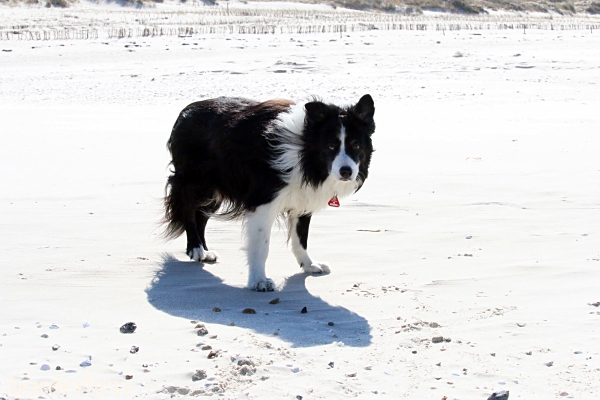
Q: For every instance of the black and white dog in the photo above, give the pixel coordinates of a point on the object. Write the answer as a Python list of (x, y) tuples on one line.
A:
[(234, 157)]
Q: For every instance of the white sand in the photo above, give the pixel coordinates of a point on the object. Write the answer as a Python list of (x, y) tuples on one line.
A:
[(481, 214)]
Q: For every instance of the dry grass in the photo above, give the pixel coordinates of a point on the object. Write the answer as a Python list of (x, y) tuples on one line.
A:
[(562, 7)]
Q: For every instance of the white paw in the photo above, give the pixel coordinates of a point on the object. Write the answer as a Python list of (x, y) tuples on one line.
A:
[(264, 286), (316, 268), (201, 255)]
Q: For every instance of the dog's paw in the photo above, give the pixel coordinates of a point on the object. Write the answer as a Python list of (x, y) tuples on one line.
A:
[(201, 255), (264, 286), (316, 268)]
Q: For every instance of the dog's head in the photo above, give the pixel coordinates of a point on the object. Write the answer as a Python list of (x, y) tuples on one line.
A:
[(337, 141)]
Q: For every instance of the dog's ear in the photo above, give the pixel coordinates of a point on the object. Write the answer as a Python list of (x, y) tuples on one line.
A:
[(364, 109), (316, 111)]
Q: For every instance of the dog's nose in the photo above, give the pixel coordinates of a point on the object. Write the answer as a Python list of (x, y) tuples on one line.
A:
[(345, 172)]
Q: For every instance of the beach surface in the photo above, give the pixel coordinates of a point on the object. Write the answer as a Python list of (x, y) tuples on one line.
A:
[(469, 262)]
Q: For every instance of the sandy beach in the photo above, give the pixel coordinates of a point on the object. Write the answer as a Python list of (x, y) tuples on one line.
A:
[(469, 263)]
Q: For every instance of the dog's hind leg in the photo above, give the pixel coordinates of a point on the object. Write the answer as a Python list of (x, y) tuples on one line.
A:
[(258, 234), (202, 252), (299, 238)]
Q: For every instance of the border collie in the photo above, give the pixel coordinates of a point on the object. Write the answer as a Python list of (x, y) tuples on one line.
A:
[(234, 157)]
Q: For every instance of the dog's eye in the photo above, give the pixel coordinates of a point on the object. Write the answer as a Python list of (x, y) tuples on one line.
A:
[(356, 146), (331, 146)]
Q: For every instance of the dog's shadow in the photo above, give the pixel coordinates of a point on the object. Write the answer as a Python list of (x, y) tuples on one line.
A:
[(190, 291)]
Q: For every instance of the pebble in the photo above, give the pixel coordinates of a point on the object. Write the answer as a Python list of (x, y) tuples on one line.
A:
[(128, 377), (199, 375), (249, 311), (434, 325), (216, 309), (304, 310), (59, 368), (368, 367), (469, 237), (549, 363), (45, 336), (521, 324), (330, 324), (212, 354), (55, 347), (501, 395), (202, 331), (85, 363), (274, 301), (53, 326), (563, 394), (296, 370), (128, 327), (529, 353), (86, 324), (134, 349), (351, 375), (437, 339), (45, 367), (331, 364), (207, 347)]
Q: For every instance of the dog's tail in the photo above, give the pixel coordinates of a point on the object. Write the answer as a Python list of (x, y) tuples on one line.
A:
[(174, 206)]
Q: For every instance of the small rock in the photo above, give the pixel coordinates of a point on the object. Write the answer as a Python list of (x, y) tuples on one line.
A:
[(330, 324), (296, 370), (55, 347), (53, 326), (501, 395), (298, 397), (414, 352), (549, 363), (128, 377), (331, 364), (563, 394), (212, 354), (304, 310), (45, 336), (437, 339), (245, 361), (351, 374), (212, 337), (434, 325), (469, 237), (129, 327), (86, 324), (86, 363), (529, 353), (249, 311), (274, 301), (521, 324), (59, 368), (202, 331), (207, 347), (45, 367), (368, 367), (216, 309), (134, 349), (199, 375), (447, 340)]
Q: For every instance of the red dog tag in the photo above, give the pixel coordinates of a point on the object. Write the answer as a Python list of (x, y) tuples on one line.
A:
[(334, 202)]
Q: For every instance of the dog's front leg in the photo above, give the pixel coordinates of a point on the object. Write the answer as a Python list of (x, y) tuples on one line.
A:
[(258, 234), (299, 237)]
